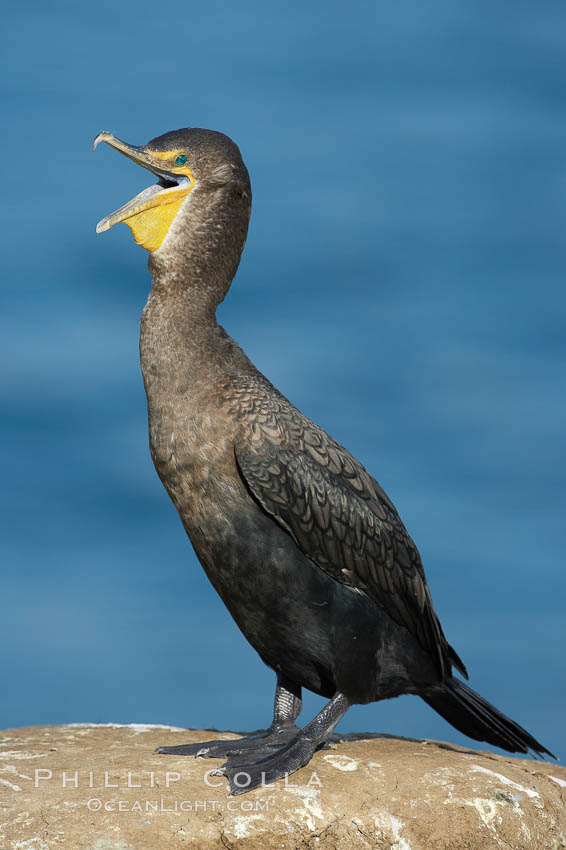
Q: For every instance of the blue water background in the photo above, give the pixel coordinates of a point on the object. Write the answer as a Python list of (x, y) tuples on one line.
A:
[(403, 284)]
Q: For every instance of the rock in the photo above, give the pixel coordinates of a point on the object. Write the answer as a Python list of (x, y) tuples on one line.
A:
[(100, 787)]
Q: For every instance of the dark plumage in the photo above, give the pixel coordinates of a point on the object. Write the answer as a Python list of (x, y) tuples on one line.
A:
[(304, 547)]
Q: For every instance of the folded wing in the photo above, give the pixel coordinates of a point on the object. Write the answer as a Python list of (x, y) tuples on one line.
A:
[(343, 521)]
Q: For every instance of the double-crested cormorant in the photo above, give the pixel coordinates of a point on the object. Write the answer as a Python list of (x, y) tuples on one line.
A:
[(304, 547)]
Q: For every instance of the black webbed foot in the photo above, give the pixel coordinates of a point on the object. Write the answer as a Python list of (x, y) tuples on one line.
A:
[(255, 747), (286, 709), (261, 759), (246, 771)]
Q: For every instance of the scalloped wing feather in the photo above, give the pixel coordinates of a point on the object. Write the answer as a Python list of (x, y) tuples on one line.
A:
[(340, 518)]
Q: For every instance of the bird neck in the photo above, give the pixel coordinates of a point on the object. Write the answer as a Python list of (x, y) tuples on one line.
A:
[(199, 257), (192, 272)]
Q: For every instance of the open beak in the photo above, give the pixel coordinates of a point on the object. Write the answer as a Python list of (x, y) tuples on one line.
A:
[(172, 186)]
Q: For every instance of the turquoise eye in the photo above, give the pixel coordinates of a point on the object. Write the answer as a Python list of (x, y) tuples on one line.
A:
[(181, 160)]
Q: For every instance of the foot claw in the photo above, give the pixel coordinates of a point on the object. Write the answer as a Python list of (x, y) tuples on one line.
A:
[(184, 750)]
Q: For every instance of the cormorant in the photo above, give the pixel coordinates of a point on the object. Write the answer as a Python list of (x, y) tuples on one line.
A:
[(304, 547)]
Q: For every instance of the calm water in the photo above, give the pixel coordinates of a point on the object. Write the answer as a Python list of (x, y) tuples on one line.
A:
[(403, 283)]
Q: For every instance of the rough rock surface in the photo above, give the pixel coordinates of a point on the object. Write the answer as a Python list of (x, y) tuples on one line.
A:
[(90, 787)]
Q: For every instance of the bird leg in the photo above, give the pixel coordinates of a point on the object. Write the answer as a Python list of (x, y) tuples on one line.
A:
[(245, 770), (286, 709)]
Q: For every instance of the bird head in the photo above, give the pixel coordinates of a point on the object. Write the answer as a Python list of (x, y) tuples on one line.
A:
[(192, 166)]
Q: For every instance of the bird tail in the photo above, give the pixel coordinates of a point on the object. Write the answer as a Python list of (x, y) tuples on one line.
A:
[(477, 718)]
